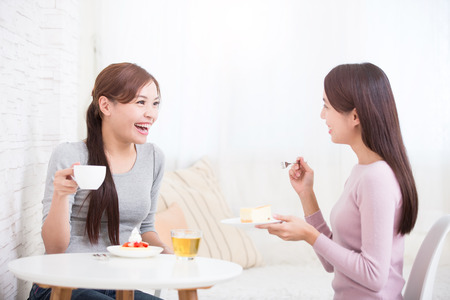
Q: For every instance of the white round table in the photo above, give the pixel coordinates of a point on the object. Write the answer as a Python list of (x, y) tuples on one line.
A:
[(64, 272)]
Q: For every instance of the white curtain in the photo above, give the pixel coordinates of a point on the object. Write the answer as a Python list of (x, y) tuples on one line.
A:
[(242, 83)]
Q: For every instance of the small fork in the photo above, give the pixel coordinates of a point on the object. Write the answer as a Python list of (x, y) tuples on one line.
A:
[(101, 256), (284, 164)]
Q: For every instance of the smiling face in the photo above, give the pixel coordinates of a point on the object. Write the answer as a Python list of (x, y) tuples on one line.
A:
[(343, 127), (131, 122)]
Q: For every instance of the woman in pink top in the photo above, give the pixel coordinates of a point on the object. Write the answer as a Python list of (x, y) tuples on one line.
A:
[(378, 206)]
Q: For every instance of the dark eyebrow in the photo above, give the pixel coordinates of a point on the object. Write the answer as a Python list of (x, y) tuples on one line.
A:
[(145, 97)]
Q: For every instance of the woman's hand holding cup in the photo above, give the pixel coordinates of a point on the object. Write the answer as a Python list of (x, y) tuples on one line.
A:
[(63, 183), (68, 180)]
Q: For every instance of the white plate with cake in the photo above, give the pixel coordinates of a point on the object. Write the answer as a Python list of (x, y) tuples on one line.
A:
[(251, 216), (134, 252), (135, 247)]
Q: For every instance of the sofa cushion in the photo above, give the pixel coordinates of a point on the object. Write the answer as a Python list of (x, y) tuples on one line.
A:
[(166, 220), (197, 192)]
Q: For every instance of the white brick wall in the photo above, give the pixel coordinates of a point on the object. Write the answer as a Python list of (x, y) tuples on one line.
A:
[(39, 52)]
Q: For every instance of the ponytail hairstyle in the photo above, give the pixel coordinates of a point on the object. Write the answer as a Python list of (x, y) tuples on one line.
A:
[(367, 88), (117, 82)]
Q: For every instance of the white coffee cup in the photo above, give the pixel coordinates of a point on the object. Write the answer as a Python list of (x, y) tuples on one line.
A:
[(89, 177)]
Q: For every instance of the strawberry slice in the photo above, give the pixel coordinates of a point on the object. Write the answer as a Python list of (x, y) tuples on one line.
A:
[(135, 245)]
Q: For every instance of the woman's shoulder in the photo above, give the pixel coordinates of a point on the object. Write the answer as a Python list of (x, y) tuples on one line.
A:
[(70, 147), (151, 150), (378, 173), (71, 152)]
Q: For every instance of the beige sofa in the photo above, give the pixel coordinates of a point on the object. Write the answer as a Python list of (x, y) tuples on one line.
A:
[(191, 198)]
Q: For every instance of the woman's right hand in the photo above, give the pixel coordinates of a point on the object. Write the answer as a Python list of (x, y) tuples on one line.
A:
[(301, 176), (63, 182)]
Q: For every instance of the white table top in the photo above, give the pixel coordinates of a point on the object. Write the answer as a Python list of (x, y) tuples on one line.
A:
[(84, 270)]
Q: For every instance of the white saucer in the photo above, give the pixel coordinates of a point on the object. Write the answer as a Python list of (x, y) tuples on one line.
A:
[(237, 222), (135, 252)]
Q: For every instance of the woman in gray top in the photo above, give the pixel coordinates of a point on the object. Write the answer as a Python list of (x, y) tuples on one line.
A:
[(125, 105)]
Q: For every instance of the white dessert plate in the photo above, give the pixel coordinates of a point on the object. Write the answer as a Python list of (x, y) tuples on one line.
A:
[(237, 222), (135, 252)]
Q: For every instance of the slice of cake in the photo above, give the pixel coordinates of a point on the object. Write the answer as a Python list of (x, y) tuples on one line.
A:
[(256, 214), (135, 241)]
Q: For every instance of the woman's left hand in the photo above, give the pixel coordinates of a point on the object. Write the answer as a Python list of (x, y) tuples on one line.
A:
[(152, 238), (292, 229)]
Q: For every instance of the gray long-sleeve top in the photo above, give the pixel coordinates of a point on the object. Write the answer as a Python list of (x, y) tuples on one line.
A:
[(137, 191)]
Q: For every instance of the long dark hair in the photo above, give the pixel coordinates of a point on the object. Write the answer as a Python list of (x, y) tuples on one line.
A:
[(367, 88), (117, 82)]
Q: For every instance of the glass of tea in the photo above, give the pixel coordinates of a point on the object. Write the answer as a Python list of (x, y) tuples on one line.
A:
[(185, 243)]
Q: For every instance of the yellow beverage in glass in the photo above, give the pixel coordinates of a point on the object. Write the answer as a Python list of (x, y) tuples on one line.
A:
[(185, 243)]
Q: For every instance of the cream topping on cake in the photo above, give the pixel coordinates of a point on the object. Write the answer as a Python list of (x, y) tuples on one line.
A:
[(135, 237)]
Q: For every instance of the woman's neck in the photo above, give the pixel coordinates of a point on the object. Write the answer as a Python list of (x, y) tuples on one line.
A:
[(364, 154), (121, 156)]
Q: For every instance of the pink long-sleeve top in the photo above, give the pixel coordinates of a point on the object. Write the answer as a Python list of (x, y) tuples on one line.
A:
[(363, 248)]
